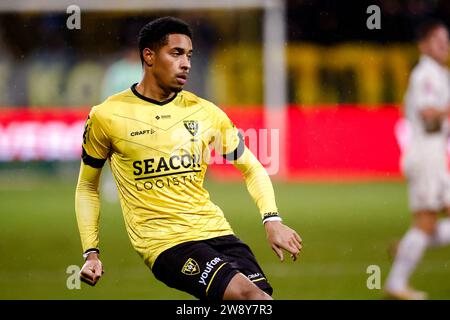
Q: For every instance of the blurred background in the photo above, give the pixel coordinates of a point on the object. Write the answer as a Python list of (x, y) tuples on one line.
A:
[(335, 86)]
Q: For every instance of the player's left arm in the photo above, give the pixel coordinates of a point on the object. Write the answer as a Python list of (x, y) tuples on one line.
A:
[(261, 190), (230, 143), (427, 98)]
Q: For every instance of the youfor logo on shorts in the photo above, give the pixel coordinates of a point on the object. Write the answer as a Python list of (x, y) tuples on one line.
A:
[(209, 267)]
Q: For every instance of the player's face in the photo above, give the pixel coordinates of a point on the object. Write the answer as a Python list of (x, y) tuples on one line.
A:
[(438, 45), (173, 62)]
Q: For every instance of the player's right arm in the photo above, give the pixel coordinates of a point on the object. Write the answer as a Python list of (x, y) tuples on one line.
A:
[(87, 208), (95, 150)]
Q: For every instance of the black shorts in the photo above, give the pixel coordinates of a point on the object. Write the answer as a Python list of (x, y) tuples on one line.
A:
[(204, 268)]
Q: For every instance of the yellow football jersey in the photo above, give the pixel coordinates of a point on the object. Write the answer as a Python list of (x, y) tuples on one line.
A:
[(158, 153)]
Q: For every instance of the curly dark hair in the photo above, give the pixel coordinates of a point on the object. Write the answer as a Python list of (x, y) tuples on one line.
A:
[(154, 34)]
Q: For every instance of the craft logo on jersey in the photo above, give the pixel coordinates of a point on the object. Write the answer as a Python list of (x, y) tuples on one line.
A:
[(191, 126), (191, 267)]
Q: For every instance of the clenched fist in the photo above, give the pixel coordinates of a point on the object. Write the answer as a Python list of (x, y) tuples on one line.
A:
[(92, 269)]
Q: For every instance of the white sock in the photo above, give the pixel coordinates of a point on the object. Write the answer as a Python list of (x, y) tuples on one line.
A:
[(441, 236), (409, 253)]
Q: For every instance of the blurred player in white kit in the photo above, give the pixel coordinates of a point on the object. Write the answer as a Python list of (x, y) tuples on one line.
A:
[(424, 163)]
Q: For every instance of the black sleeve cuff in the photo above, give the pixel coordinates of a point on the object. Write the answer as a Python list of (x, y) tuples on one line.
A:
[(86, 253), (269, 215)]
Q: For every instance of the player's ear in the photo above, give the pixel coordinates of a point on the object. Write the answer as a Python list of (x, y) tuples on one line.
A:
[(422, 45), (149, 56)]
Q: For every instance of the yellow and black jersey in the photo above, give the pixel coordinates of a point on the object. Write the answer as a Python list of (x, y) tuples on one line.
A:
[(158, 153)]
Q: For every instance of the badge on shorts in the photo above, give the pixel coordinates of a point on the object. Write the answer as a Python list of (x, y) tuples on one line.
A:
[(191, 267)]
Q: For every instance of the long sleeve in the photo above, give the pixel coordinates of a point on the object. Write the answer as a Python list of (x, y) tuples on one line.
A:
[(95, 150), (229, 142), (258, 183), (87, 205)]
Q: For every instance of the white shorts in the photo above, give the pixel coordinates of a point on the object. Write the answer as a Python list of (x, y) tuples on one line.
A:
[(428, 183)]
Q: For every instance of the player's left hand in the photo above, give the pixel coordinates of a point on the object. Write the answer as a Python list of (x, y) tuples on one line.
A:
[(282, 237)]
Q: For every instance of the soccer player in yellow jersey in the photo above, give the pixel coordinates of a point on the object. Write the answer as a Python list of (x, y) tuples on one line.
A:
[(157, 139)]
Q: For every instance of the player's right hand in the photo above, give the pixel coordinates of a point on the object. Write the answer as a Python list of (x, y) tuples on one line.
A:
[(92, 270)]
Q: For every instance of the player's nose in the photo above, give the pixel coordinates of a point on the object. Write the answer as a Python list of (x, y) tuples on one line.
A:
[(185, 63)]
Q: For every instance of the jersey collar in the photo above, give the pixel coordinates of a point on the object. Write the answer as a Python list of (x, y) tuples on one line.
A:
[(159, 103), (430, 61)]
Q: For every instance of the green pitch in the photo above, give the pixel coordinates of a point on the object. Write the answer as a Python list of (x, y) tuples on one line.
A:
[(345, 227)]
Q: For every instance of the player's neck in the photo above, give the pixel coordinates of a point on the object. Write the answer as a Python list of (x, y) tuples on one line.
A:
[(150, 89), (434, 59)]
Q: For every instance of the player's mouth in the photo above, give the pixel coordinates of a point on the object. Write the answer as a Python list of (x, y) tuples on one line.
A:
[(182, 78)]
